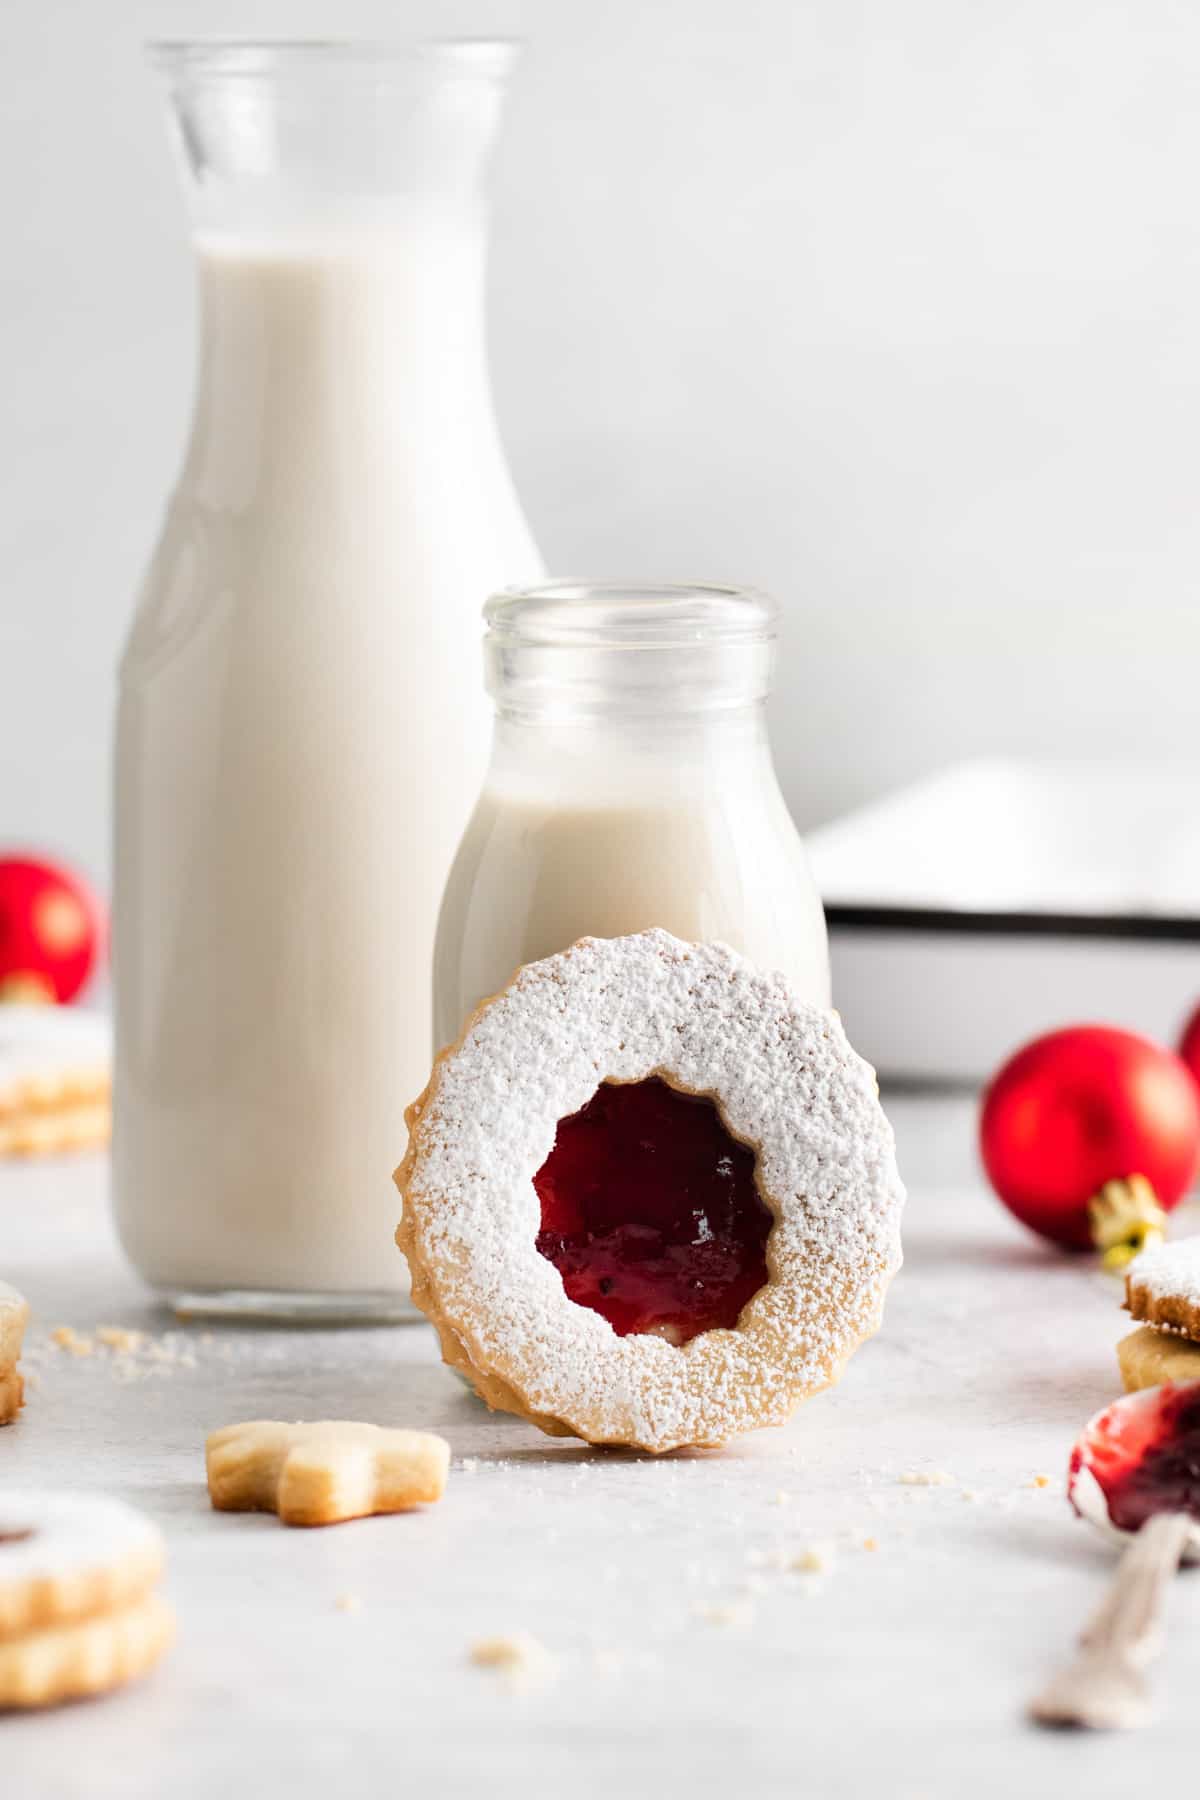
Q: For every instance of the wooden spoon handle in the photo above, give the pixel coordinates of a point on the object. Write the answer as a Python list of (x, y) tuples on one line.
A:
[(1103, 1688)]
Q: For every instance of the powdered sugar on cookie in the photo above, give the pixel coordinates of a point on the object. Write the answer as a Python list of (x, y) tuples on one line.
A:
[(786, 1082), (1169, 1271), (66, 1555)]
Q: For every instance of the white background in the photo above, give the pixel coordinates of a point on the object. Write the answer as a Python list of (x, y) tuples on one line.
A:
[(891, 306)]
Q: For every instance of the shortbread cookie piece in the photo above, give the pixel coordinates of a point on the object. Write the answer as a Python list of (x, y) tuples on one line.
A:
[(87, 1657), (650, 1197), (1163, 1286), (1148, 1357), (56, 1132), (14, 1315), (68, 1556), (55, 1080), (51, 1057), (324, 1472)]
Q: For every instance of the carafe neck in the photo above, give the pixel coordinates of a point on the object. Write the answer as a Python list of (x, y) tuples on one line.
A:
[(338, 205)]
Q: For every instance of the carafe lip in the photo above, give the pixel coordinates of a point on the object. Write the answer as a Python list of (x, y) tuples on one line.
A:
[(230, 56), (631, 614)]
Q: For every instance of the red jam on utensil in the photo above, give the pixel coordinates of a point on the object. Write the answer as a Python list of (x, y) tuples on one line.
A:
[(651, 1214), (1146, 1457)]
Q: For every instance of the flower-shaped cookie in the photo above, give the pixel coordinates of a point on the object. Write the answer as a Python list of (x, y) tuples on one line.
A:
[(324, 1472)]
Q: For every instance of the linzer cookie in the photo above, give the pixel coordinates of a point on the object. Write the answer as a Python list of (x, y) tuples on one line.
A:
[(14, 1316), (1148, 1357), (55, 1080), (650, 1198), (1162, 1287), (79, 1610), (1162, 1290)]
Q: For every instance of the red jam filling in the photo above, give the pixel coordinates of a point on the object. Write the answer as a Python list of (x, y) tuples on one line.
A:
[(1146, 1458), (651, 1214)]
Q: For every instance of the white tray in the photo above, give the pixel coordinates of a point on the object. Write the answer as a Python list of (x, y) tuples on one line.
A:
[(1000, 899)]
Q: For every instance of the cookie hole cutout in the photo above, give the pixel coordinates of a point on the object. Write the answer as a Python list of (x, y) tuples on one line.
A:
[(651, 1213)]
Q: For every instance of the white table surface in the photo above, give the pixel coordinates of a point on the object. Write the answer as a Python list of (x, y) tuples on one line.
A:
[(900, 1672)]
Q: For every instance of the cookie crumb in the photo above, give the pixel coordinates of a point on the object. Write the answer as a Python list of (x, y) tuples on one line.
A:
[(970, 1494), (120, 1337), (520, 1657), (870, 1543), (781, 1498), (733, 1612), (1040, 1481), (926, 1478), (349, 1603), (814, 1559), (73, 1342)]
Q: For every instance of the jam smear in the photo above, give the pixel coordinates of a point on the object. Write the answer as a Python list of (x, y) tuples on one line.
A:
[(651, 1214), (1147, 1458)]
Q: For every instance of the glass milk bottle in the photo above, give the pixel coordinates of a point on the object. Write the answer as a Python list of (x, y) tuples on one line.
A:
[(631, 785), (300, 739)]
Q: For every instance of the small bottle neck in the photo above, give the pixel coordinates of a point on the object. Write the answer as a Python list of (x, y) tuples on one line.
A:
[(628, 694), (640, 658)]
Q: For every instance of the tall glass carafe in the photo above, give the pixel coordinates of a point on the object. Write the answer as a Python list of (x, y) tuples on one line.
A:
[(300, 734)]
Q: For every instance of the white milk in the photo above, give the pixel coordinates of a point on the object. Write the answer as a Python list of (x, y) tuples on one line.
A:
[(718, 858), (301, 736)]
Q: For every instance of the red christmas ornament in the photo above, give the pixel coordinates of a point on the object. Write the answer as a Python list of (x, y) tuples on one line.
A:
[(51, 929), (1077, 1110), (1189, 1044)]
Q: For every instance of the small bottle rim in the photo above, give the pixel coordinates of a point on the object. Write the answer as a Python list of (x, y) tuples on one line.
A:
[(630, 614)]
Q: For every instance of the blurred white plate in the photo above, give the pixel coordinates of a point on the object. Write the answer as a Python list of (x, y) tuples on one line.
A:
[(999, 899)]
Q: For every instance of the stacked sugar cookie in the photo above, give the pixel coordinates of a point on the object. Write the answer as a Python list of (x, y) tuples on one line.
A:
[(14, 1316), (80, 1611), (55, 1080), (1162, 1291)]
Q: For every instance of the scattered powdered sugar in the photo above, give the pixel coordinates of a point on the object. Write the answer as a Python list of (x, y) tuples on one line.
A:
[(786, 1081), (1169, 1272), (130, 1354)]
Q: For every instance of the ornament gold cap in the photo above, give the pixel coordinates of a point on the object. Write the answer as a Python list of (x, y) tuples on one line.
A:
[(1125, 1219), (26, 987)]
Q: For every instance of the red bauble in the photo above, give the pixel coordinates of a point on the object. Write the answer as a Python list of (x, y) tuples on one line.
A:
[(1189, 1044), (1080, 1107), (51, 929)]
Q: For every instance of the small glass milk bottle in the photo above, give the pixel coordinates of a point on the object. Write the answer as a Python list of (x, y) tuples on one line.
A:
[(631, 785)]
